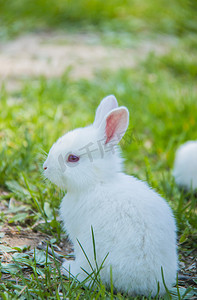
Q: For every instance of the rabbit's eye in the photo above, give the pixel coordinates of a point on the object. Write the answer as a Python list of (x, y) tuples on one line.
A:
[(73, 158)]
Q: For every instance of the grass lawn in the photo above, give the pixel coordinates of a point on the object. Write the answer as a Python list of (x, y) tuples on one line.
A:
[(160, 94)]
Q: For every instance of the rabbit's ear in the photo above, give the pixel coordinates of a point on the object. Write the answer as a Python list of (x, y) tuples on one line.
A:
[(106, 105), (115, 125)]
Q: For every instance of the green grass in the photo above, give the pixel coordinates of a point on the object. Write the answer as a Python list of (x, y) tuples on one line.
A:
[(160, 95)]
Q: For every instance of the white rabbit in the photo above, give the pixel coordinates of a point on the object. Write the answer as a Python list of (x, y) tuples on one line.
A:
[(185, 165), (131, 222)]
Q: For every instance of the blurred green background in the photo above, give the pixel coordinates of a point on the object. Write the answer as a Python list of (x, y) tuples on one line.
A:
[(174, 17)]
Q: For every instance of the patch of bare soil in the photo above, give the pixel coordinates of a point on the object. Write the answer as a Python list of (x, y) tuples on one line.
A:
[(30, 239), (188, 269), (20, 238), (50, 54), (20, 234)]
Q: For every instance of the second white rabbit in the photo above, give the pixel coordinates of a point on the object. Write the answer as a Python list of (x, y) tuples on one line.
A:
[(185, 166)]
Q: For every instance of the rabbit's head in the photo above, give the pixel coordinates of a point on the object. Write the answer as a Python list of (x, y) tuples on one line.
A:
[(85, 156)]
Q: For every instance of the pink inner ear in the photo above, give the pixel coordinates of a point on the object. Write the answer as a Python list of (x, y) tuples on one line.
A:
[(112, 124)]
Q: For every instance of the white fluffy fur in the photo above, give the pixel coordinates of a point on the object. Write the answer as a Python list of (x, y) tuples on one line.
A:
[(185, 165), (131, 222)]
